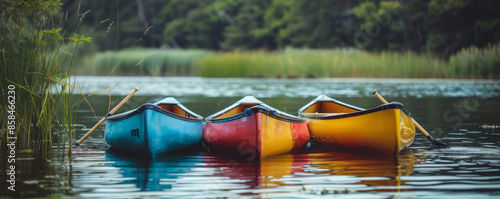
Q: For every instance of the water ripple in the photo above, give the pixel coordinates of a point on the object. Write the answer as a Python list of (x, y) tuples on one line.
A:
[(266, 88)]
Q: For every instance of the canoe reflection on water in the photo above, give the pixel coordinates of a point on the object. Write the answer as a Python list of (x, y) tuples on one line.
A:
[(205, 172), (153, 174), (374, 173), (208, 172), (263, 173)]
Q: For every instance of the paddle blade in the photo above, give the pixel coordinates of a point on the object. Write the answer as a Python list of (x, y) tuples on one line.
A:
[(435, 143)]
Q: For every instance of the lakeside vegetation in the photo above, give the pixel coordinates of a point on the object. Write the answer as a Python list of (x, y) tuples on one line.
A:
[(440, 27), (322, 63), (476, 62), (37, 60), (139, 61), (470, 62), (282, 38)]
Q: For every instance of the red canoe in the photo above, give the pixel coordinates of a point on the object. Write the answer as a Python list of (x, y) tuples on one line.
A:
[(253, 129)]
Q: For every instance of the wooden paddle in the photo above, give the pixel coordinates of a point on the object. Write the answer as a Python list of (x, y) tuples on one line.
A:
[(434, 142), (104, 118)]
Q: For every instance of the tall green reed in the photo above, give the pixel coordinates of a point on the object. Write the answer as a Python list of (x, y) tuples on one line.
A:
[(321, 63), (33, 53), (139, 61), (474, 62), (470, 62)]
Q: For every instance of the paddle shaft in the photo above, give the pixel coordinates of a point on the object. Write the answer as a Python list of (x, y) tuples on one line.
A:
[(104, 118), (414, 122)]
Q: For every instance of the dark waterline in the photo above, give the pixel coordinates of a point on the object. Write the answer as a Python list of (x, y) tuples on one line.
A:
[(454, 111)]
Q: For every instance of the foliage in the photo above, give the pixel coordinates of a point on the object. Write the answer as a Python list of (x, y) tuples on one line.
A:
[(245, 30), (379, 25), (435, 26), (33, 52), (24, 8), (305, 24), (474, 62), (321, 63), (446, 26), (187, 24), (139, 61), (471, 62)]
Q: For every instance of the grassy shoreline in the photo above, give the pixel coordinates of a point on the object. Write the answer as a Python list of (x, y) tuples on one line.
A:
[(470, 63), (139, 61), (321, 63)]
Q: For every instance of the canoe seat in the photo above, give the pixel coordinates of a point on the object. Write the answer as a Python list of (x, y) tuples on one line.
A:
[(176, 109), (323, 114)]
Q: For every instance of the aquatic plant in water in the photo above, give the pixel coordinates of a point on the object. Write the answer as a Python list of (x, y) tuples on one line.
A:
[(33, 53)]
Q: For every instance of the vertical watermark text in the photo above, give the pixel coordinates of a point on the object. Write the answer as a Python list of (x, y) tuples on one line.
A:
[(11, 138)]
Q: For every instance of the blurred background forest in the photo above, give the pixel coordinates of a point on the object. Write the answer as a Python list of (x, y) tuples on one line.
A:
[(439, 26), (288, 38)]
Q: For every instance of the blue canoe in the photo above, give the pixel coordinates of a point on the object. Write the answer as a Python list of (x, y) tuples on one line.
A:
[(154, 129)]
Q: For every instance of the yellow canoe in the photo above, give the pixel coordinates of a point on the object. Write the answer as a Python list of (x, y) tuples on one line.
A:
[(387, 128)]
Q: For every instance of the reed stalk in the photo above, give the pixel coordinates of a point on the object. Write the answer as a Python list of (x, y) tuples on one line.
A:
[(33, 53), (321, 63), (139, 61), (474, 62), (470, 62)]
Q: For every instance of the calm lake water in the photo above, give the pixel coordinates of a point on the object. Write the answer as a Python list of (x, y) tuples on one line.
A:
[(462, 114)]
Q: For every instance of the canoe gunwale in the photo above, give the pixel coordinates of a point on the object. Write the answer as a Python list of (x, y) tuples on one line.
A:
[(258, 109), (125, 115), (244, 101), (391, 105)]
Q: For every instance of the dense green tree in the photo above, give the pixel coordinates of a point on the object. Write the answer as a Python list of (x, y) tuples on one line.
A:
[(112, 24), (301, 23), (243, 31), (438, 26), (380, 27), (189, 24), (454, 24), (22, 8)]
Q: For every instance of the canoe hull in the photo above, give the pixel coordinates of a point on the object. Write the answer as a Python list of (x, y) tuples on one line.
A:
[(388, 131), (384, 129), (258, 135), (151, 132)]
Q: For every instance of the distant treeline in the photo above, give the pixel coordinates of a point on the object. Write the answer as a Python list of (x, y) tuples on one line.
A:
[(442, 27)]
